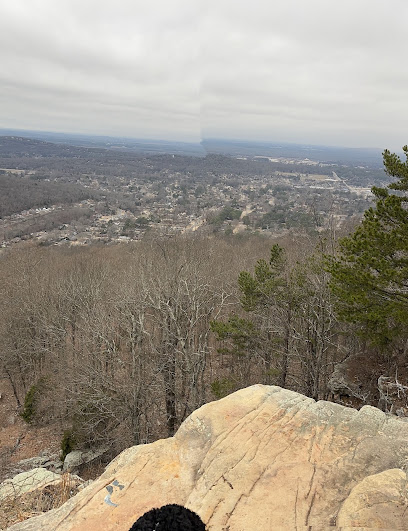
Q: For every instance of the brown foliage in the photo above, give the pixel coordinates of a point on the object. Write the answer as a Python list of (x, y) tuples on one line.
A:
[(19, 508)]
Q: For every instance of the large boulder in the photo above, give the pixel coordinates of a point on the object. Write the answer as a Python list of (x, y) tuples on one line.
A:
[(378, 501), (25, 482), (343, 383), (261, 458), (75, 459)]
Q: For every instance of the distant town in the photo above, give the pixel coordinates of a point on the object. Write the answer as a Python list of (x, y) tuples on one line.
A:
[(81, 195)]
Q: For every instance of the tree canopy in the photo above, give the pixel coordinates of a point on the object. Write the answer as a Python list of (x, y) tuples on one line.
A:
[(370, 274)]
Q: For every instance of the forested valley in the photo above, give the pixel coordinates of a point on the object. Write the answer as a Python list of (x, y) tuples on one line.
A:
[(117, 344), (120, 344)]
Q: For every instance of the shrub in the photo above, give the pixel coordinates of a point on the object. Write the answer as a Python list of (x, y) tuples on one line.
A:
[(30, 402), (68, 443), (222, 387)]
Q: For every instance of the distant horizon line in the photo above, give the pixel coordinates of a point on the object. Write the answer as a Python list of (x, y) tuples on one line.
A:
[(230, 140)]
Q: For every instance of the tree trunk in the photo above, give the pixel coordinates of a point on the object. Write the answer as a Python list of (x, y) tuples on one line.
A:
[(169, 375)]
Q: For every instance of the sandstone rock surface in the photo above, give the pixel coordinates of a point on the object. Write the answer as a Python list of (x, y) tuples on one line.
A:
[(262, 458), (379, 501)]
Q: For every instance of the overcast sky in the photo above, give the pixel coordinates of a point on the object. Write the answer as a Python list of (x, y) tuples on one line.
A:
[(305, 71)]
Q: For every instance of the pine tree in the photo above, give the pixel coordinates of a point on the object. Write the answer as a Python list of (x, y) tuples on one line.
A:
[(288, 328), (370, 275), (260, 338)]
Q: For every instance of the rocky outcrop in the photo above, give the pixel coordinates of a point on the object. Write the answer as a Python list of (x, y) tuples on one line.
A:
[(343, 383), (25, 482), (45, 460), (75, 459), (261, 458)]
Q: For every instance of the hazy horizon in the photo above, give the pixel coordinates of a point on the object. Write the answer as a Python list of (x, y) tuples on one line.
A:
[(28, 132)]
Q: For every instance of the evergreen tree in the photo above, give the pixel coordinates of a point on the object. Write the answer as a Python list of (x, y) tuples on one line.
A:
[(269, 297), (289, 330), (261, 337), (370, 275)]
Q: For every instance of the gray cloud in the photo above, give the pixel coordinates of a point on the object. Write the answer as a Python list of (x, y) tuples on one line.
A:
[(313, 72), (316, 71)]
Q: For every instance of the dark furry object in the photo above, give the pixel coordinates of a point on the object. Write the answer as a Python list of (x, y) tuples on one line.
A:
[(169, 518)]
